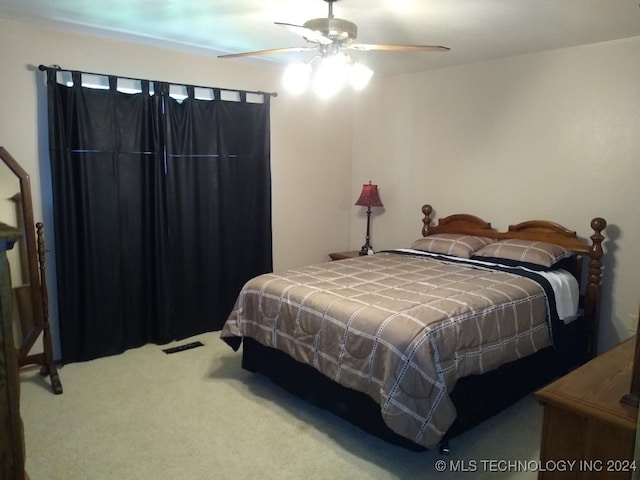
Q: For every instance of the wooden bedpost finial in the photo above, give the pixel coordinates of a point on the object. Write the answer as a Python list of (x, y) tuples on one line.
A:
[(427, 210), (598, 224)]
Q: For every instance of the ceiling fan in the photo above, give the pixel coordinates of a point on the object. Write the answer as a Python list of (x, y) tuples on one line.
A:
[(329, 35)]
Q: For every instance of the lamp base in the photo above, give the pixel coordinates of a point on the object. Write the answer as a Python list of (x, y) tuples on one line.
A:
[(366, 249)]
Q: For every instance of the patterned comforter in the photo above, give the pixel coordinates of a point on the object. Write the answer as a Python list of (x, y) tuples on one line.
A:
[(400, 328)]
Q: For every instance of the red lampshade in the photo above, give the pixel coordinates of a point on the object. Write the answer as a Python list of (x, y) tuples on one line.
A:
[(369, 196)]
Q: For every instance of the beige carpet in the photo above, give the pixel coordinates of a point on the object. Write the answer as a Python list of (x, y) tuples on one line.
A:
[(196, 415)]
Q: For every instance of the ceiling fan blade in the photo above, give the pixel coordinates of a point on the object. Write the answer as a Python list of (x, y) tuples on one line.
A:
[(307, 33), (267, 52), (397, 48)]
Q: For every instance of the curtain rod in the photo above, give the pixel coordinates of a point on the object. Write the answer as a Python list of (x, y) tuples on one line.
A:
[(58, 68)]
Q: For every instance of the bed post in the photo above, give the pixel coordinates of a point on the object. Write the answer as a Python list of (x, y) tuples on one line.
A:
[(427, 210), (592, 295)]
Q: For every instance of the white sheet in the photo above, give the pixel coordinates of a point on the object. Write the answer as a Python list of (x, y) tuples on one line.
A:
[(566, 289)]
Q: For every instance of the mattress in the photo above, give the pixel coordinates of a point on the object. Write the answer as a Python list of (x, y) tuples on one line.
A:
[(400, 327)]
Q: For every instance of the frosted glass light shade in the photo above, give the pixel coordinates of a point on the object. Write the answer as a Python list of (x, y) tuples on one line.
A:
[(359, 76), (296, 77), (330, 76)]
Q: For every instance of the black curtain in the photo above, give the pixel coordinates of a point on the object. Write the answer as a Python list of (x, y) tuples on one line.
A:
[(162, 211), (219, 203)]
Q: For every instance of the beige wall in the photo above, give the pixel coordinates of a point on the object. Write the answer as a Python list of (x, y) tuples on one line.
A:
[(311, 143), (551, 135)]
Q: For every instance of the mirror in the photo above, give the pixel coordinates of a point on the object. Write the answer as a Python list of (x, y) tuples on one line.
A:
[(27, 270)]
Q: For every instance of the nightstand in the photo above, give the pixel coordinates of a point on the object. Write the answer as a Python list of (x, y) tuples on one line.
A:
[(343, 255), (584, 420)]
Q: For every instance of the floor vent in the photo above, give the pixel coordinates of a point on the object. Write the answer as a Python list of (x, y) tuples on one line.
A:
[(182, 348)]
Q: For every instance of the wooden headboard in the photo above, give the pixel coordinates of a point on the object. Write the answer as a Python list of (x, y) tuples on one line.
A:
[(543, 231)]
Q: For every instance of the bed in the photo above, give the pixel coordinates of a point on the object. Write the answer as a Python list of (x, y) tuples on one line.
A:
[(420, 343)]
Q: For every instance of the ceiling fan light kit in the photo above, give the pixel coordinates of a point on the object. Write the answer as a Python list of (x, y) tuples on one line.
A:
[(330, 75), (333, 68)]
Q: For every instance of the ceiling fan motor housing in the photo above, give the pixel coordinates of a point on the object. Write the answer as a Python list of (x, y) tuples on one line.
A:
[(337, 29)]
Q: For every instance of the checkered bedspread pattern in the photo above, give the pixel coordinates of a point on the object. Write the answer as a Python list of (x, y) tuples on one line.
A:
[(400, 328)]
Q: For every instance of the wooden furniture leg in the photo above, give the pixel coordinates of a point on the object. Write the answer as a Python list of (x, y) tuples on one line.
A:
[(49, 366), (45, 359)]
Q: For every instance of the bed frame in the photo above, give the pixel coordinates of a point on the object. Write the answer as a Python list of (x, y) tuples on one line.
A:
[(491, 392)]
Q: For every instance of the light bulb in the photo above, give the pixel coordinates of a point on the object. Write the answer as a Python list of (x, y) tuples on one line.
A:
[(296, 77), (330, 76), (359, 76)]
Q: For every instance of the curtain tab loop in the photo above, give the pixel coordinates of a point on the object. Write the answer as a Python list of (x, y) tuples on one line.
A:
[(52, 76), (77, 78), (161, 88), (191, 92)]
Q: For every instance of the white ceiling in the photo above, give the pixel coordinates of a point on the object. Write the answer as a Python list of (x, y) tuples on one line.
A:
[(475, 30)]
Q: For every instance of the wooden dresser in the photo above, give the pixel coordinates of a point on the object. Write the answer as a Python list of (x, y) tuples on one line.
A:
[(585, 422), (11, 433)]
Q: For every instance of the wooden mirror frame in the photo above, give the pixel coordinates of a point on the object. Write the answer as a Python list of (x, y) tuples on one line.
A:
[(34, 248)]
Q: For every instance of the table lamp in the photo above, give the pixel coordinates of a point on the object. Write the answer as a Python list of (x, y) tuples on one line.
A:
[(368, 198)]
